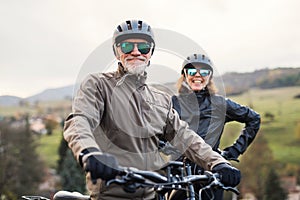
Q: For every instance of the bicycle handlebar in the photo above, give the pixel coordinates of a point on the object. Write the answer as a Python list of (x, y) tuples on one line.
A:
[(132, 178)]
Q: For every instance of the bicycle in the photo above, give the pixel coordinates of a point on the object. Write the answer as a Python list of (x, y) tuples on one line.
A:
[(177, 176)]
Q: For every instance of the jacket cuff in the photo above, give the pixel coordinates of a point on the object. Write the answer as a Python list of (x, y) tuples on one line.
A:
[(85, 153)]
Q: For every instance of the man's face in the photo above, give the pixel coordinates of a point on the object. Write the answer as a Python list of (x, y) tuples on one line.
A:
[(134, 55)]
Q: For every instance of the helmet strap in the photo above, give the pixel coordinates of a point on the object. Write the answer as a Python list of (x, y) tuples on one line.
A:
[(116, 51)]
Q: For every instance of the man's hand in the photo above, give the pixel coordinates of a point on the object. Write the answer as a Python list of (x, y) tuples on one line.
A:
[(230, 153), (102, 166), (230, 176)]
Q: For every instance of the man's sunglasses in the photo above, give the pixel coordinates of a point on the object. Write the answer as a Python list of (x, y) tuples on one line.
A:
[(127, 47), (202, 72)]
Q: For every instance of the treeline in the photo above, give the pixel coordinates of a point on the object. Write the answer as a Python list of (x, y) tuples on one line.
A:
[(237, 83), (283, 81)]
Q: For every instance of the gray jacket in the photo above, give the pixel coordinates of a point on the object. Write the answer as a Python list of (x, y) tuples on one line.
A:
[(120, 114)]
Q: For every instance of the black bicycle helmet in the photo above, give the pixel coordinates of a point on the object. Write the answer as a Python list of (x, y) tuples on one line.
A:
[(197, 59), (133, 29)]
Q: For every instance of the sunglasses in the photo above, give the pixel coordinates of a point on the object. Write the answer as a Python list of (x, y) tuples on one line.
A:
[(127, 47), (202, 72)]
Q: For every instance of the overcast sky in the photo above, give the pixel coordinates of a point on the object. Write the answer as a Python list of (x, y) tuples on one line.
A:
[(44, 43)]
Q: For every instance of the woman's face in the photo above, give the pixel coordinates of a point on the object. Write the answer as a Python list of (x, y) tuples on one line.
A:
[(197, 77)]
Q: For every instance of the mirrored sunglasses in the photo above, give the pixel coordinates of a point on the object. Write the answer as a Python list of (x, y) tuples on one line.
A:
[(202, 72), (127, 47)]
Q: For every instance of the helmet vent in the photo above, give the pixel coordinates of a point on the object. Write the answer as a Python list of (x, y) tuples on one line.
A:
[(140, 25), (129, 27), (119, 28)]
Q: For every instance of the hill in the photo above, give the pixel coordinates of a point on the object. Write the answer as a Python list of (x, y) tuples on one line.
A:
[(7, 100), (53, 94), (234, 83)]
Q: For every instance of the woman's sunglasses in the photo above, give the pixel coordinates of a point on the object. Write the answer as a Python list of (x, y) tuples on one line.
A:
[(127, 47), (202, 72)]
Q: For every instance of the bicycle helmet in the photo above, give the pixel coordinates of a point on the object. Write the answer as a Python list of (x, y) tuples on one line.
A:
[(197, 59), (133, 29)]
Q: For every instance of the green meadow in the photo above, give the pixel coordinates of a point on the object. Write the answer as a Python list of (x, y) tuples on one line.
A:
[(48, 148), (280, 115)]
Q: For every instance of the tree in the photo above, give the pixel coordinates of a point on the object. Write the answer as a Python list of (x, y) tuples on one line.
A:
[(72, 175), (273, 190), (255, 166), (50, 125), (21, 168), (62, 151)]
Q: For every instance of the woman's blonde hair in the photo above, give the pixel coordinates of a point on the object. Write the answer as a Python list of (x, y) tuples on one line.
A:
[(212, 89)]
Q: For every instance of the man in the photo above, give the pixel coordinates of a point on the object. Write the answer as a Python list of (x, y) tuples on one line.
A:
[(118, 119)]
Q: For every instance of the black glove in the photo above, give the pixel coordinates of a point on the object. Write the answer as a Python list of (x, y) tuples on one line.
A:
[(230, 153), (229, 176), (102, 166)]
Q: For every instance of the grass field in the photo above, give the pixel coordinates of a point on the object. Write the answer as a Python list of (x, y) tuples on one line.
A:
[(280, 132), (48, 148)]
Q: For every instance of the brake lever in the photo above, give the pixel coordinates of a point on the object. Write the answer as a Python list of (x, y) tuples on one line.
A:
[(117, 181), (235, 190), (216, 182), (127, 176)]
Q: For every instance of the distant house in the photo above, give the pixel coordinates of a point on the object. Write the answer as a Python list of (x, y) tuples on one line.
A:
[(289, 183), (38, 126)]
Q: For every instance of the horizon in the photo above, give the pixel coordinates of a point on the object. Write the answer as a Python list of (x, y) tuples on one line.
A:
[(167, 82)]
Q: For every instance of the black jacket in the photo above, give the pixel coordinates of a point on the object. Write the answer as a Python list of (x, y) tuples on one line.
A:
[(207, 114)]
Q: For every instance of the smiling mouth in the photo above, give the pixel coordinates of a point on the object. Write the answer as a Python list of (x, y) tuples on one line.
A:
[(197, 81)]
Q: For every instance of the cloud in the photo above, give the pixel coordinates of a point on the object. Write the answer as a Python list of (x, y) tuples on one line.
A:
[(45, 43)]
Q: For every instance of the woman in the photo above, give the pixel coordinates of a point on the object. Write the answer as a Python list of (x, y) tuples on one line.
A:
[(207, 112)]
